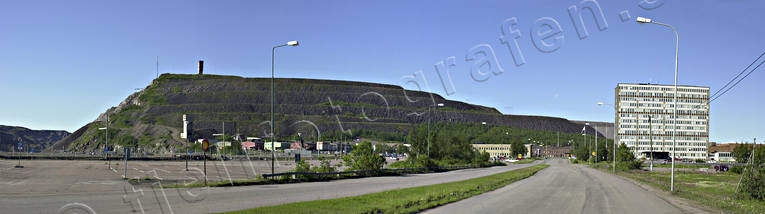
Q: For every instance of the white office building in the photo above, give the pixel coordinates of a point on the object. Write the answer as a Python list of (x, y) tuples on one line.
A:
[(643, 107)]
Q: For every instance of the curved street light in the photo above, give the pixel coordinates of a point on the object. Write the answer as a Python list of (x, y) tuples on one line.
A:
[(273, 137), (643, 20)]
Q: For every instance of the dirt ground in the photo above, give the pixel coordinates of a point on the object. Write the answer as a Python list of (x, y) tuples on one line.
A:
[(41, 177)]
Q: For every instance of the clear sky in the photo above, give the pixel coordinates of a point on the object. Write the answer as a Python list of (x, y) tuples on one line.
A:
[(64, 62)]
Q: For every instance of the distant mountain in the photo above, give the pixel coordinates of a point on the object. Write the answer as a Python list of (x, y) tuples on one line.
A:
[(38, 140), (152, 118)]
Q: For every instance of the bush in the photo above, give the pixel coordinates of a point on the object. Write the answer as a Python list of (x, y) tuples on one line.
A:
[(363, 158), (634, 164), (753, 183), (700, 161), (737, 169)]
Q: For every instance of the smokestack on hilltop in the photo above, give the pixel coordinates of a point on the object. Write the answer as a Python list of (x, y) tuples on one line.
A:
[(201, 66)]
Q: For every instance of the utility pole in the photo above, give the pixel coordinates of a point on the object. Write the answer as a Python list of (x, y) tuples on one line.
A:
[(596, 145), (650, 136), (751, 160)]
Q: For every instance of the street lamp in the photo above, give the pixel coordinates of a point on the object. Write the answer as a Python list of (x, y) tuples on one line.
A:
[(589, 148), (613, 137), (273, 140), (674, 123), (429, 118), (106, 146)]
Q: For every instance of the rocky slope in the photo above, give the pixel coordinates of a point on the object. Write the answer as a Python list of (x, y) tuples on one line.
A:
[(152, 118), (34, 139)]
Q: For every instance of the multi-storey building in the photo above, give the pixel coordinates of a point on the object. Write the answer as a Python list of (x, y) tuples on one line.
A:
[(645, 112)]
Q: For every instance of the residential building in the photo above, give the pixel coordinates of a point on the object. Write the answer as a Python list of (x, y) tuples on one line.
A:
[(724, 152), (640, 108)]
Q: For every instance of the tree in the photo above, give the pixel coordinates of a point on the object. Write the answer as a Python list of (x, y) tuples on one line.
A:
[(623, 153), (582, 153), (517, 148), (753, 182), (363, 157), (742, 153), (604, 153)]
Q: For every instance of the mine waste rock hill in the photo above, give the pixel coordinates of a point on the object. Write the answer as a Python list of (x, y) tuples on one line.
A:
[(153, 117), (36, 140)]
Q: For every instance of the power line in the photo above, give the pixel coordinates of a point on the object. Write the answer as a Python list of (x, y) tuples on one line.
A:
[(719, 93), (739, 74), (734, 85)]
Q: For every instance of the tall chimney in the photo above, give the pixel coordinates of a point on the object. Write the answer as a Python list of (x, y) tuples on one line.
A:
[(201, 66)]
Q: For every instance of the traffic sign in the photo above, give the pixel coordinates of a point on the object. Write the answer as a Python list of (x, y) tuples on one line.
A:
[(21, 147), (127, 152), (593, 153), (191, 152), (205, 145)]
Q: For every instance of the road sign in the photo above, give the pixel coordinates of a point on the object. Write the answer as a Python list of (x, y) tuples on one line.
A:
[(205, 145), (191, 152), (127, 152), (593, 153), (106, 149), (21, 147)]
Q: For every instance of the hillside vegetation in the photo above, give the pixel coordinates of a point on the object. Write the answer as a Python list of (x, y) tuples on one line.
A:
[(323, 110)]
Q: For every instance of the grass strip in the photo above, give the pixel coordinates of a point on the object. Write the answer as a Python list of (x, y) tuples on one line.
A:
[(408, 200), (713, 189)]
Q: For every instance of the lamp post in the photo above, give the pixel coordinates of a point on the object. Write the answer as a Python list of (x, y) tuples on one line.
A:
[(106, 146), (674, 123), (273, 51), (429, 118), (614, 134), (650, 139)]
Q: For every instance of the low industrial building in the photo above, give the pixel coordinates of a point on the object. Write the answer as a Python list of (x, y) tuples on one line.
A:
[(249, 145), (276, 146), (554, 151), (495, 150)]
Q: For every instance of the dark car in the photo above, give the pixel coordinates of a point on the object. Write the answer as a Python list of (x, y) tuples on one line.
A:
[(721, 168)]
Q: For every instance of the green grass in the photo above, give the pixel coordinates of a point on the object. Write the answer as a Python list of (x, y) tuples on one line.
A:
[(525, 161), (408, 200), (713, 190), (677, 166)]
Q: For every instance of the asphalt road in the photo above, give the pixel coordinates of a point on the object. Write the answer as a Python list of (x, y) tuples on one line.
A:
[(155, 198), (564, 188)]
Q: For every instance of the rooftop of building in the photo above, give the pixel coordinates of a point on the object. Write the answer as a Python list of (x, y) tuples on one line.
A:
[(662, 85)]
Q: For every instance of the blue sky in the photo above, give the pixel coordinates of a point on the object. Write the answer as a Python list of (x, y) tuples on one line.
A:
[(63, 63)]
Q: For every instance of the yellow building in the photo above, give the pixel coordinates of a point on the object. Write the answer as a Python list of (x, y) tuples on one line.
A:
[(495, 150)]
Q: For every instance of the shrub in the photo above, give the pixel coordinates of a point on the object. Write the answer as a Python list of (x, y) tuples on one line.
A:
[(752, 183), (363, 157), (634, 164), (737, 169)]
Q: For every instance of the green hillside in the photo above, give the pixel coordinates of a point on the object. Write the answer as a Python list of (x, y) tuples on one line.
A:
[(152, 118)]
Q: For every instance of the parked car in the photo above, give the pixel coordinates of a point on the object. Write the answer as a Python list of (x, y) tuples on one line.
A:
[(721, 168)]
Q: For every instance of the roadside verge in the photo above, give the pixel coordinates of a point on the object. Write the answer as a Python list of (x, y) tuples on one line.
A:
[(407, 200)]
